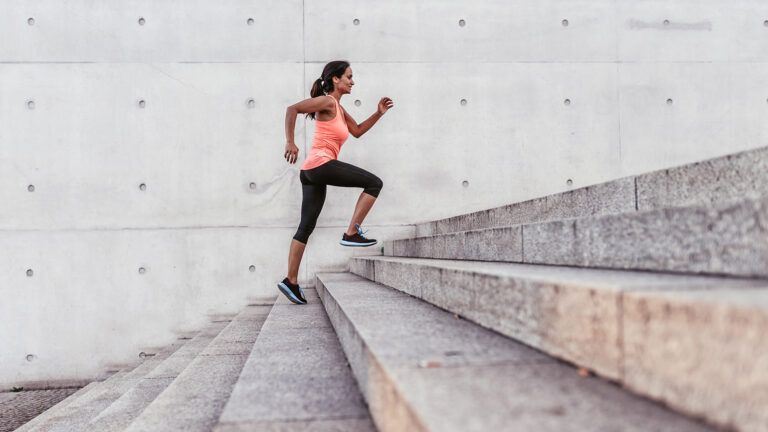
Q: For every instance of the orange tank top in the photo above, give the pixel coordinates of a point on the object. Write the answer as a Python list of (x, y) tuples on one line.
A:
[(329, 137)]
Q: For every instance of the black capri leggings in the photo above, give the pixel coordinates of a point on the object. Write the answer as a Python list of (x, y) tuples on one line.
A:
[(313, 185)]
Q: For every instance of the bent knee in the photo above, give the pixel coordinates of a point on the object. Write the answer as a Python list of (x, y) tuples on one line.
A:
[(375, 187)]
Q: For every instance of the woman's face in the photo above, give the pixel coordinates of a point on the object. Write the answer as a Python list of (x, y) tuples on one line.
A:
[(345, 83)]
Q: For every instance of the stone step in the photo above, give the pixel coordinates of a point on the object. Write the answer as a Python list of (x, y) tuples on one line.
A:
[(709, 182), (698, 344), (296, 377), (728, 239), (77, 414), (422, 369), (195, 399), (127, 407)]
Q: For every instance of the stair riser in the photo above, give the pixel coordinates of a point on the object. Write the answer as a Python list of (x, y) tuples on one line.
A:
[(727, 240)]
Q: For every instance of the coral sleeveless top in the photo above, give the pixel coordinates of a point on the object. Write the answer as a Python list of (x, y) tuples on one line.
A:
[(329, 137)]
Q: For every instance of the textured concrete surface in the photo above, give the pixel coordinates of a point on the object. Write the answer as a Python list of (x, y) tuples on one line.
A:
[(500, 244), (694, 343), (19, 408), (613, 197), (76, 415), (713, 346), (195, 399), (336, 425), (710, 182), (574, 314), (131, 403), (513, 386), (729, 239), (296, 376)]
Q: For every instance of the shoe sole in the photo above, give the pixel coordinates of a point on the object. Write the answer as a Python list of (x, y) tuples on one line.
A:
[(356, 244), (287, 292)]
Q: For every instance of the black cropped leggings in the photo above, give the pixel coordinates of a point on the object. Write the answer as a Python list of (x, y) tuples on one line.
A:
[(313, 185)]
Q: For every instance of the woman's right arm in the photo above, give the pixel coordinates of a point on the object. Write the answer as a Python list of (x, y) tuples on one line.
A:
[(312, 105)]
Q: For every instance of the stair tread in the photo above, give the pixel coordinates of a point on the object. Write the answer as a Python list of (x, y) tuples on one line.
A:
[(296, 374)]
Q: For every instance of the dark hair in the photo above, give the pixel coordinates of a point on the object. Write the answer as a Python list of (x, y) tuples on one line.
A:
[(324, 84)]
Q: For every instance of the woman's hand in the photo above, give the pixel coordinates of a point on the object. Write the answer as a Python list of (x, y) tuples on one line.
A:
[(384, 104), (291, 152)]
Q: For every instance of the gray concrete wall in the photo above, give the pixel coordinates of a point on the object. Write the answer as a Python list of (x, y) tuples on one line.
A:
[(207, 140)]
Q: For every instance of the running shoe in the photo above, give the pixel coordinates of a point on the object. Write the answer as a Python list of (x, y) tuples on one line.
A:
[(293, 292), (357, 239)]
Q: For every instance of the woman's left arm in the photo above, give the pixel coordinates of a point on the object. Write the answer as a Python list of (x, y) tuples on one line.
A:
[(357, 130)]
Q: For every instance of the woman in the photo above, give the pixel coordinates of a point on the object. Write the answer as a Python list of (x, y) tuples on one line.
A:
[(322, 167)]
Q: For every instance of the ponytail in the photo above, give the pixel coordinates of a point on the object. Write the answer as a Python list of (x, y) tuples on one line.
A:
[(324, 84)]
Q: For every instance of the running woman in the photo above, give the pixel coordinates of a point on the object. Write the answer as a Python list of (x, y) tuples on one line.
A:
[(322, 167)]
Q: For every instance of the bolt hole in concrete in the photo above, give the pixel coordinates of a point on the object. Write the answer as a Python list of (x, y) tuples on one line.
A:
[(565, 23), (357, 102), (462, 23), (30, 104), (142, 21), (31, 357), (465, 183), (251, 103), (765, 23), (569, 182), (463, 102), (250, 21), (142, 354), (31, 21), (142, 187), (567, 102), (670, 101), (252, 185), (142, 103), (142, 270), (666, 22), (252, 269), (356, 21), (30, 272), (31, 188)]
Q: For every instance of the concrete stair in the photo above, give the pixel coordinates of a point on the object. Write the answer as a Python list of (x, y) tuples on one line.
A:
[(657, 282), (696, 343), (160, 392), (270, 368), (726, 239), (296, 378), (421, 368)]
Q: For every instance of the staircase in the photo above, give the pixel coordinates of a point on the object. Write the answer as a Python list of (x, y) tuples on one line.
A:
[(658, 283), (640, 304)]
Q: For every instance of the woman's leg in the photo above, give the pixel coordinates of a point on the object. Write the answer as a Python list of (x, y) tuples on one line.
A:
[(313, 198), (294, 260), (364, 204), (337, 173)]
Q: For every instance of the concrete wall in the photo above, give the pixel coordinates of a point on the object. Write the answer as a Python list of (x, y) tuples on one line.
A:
[(480, 120)]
